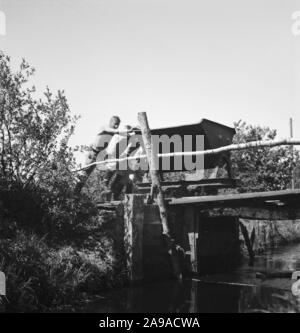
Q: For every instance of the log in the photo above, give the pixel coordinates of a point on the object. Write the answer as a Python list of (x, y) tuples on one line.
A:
[(232, 147), (238, 146), (268, 274), (172, 248)]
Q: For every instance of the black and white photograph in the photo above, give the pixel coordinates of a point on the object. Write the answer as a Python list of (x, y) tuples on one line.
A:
[(149, 159)]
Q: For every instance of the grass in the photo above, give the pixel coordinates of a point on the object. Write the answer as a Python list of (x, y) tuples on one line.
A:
[(47, 276)]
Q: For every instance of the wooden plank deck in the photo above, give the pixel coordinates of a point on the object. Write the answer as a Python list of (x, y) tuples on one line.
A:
[(222, 182), (283, 197)]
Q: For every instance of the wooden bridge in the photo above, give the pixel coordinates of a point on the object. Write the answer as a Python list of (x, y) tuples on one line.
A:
[(271, 205), (205, 228)]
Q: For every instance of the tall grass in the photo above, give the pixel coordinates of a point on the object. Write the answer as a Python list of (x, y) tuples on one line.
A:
[(42, 278)]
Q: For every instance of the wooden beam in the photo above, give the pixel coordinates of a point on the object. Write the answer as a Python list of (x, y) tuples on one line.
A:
[(249, 241), (238, 146), (133, 236), (233, 147), (254, 213), (192, 226), (217, 200), (222, 182), (155, 179)]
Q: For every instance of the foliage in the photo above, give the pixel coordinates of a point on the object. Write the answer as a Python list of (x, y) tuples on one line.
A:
[(33, 132), (262, 169), (36, 163), (40, 278), (50, 259)]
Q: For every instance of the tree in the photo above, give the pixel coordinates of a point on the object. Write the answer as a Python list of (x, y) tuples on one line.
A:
[(36, 162), (34, 133), (262, 169)]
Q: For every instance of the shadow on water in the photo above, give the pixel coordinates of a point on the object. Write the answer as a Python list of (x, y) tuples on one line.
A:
[(239, 291)]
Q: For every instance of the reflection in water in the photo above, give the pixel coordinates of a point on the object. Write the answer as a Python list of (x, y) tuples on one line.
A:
[(283, 258), (239, 291)]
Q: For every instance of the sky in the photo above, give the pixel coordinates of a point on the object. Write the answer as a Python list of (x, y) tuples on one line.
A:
[(178, 60)]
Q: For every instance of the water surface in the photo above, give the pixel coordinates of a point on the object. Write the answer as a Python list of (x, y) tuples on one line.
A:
[(238, 291)]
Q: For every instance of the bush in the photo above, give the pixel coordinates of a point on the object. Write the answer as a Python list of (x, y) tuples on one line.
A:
[(36, 164), (44, 225), (262, 169), (41, 278)]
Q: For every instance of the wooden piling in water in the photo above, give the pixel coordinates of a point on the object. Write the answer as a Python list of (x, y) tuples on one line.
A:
[(133, 236)]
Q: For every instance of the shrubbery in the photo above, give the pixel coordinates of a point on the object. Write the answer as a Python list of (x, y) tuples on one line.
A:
[(50, 262), (36, 163), (40, 278), (262, 169)]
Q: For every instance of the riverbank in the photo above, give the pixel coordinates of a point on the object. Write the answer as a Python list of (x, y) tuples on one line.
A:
[(65, 274), (44, 275)]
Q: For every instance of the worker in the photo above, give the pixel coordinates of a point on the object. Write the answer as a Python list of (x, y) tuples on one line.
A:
[(117, 176), (103, 139)]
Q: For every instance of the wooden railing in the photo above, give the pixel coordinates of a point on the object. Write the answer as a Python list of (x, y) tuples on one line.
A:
[(232, 147)]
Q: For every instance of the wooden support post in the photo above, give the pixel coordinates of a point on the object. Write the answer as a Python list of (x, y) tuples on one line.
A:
[(249, 241), (292, 154), (133, 237), (192, 231), (173, 249), (2, 292)]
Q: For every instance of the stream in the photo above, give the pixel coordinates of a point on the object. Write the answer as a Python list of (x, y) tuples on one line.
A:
[(237, 291)]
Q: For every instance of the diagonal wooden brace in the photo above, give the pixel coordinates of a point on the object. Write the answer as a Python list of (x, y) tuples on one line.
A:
[(249, 241)]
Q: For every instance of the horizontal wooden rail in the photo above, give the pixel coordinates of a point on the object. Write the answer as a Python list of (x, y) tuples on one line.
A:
[(232, 147), (282, 195)]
